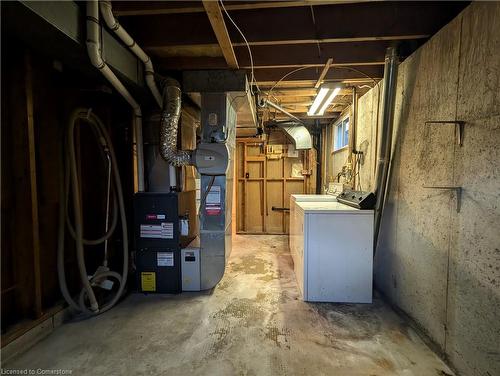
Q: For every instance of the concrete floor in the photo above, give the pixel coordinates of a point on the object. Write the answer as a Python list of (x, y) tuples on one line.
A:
[(253, 323)]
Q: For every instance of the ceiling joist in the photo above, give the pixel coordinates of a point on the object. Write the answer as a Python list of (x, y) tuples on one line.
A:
[(296, 84), (216, 19), (334, 40), (166, 8), (323, 73)]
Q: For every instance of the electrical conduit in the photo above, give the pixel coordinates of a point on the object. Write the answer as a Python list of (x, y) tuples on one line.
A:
[(107, 14), (94, 52), (110, 20)]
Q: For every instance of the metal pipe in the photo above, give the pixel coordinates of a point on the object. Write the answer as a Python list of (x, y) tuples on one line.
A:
[(385, 145), (264, 102), (107, 14), (352, 135), (94, 52), (352, 123)]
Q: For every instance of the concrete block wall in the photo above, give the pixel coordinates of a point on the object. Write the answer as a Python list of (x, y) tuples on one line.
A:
[(440, 266)]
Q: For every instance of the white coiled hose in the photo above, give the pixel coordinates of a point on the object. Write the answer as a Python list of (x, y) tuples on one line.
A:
[(71, 178)]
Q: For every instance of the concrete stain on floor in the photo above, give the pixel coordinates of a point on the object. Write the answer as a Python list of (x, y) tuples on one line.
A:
[(252, 323)]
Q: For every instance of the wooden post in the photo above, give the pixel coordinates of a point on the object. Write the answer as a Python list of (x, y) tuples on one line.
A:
[(33, 186)]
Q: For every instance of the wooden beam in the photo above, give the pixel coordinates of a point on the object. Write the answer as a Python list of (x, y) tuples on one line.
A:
[(119, 11), (177, 50), (25, 326), (216, 18), (373, 38), (284, 102), (368, 21), (333, 65), (323, 72), (303, 92), (190, 50), (303, 109), (198, 59), (33, 185), (310, 83)]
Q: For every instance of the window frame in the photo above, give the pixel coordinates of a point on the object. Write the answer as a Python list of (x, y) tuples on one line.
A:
[(339, 125)]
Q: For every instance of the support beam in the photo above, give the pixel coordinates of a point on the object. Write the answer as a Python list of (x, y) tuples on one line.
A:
[(177, 50), (333, 65), (297, 84), (164, 8), (323, 73), (368, 22), (191, 61), (37, 304), (372, 38), (214, 14)]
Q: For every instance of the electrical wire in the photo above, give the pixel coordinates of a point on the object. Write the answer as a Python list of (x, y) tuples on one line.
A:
[(246, 42), (358, 71), (286, 75)]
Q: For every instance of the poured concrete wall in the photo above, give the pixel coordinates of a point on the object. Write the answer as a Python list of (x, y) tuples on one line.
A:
[(440, 266)]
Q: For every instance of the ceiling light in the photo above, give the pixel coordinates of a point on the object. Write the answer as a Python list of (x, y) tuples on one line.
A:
[(323, 99)]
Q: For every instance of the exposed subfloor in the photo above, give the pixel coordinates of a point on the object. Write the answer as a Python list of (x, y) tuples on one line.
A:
[(252, 323)]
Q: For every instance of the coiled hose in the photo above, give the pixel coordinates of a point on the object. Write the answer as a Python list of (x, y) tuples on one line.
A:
[(78, 117)]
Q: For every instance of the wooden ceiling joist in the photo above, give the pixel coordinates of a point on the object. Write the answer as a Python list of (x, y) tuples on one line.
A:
[(323, 72), (166, 8), (368, 21), (310, 83), (216, 19), (333, 65), (304, 92), (334, 40), (213, 46)]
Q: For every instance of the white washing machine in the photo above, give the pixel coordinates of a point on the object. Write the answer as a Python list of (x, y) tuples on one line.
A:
[(332, 250)]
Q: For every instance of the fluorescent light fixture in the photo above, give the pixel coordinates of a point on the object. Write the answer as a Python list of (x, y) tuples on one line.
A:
[(323, 99)]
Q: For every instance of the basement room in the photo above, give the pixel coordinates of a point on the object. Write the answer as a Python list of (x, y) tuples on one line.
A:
[(250, 188)]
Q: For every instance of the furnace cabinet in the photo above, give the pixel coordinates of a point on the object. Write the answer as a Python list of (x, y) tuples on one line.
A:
[(332, 249)]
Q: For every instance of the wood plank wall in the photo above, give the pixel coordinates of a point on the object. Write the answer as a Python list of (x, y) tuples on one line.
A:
[(37, 100), (263, 183)]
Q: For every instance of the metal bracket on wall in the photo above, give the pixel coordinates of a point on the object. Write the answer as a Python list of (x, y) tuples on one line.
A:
[(458, 124), (458, 191)]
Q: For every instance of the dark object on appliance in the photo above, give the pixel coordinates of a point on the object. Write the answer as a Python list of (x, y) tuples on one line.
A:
[(157, 247), (358, 199)]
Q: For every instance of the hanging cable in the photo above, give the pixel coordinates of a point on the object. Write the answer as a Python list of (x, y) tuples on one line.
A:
[(246, 42), (286, 75)]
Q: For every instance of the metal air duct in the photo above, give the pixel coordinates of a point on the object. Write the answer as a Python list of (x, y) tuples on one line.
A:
[(265, 102), (298, 133)]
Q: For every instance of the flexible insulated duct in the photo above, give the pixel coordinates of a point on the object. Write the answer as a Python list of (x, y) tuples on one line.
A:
[(169, 124), (71, 185)]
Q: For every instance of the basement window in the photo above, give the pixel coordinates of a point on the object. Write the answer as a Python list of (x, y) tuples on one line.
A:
[(341, 134)]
